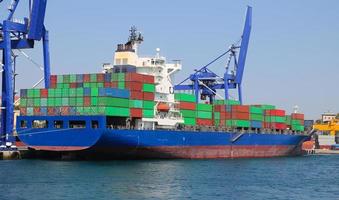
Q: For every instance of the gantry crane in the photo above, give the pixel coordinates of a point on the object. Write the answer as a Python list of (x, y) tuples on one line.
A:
[(19, 34), (205, 83), (332, 127)]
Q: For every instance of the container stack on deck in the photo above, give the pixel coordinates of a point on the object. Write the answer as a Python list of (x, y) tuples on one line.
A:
[(229, 113), (111, 94), (132, 95)]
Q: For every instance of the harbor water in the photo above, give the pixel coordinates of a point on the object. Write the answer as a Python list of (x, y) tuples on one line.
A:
[(308, 177)]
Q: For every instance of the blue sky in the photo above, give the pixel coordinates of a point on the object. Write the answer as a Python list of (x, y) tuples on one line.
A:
[(293, 56)]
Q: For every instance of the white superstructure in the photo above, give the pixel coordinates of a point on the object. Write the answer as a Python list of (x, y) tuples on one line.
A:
[(126, 58)]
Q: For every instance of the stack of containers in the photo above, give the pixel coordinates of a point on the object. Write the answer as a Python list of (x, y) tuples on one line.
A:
[(125, 95), (219, 111), (275, 119), (204, 114), (238, 116), (187, 106), (256, 116), (297, 122)]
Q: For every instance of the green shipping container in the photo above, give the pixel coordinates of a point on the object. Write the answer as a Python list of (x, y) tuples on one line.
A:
[(226, 102), (204, 107), (51, 93), (184, 97), (43, 102), (94, 101), (30, 93), (277, 119), (148, 104), (58, 101), (256, 117), (147, 113), (188, 113), (36, 93), (80, 92), (57, 92), (296, 122), (72, 101), (80, 101), (94, 92), (93, 78), (238, 123), (72, 92), (36, 102), (190, 121), (59, 85), (72, 78), (65, 92), (217, 115), (121, 77), (23, 102), (60, 78), (121, 85), (204, 115), (115, 102), (146, 87), (267, 107), (135, 103), (298, 127), (50, 102), (116, 111), (256, 110)]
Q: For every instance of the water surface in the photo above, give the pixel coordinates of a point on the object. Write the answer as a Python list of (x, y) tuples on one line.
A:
[(309, 177)]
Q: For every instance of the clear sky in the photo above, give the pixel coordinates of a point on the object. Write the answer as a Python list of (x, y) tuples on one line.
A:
[(293, 56)]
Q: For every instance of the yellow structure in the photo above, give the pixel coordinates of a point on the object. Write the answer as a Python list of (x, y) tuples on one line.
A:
[(332, 126)]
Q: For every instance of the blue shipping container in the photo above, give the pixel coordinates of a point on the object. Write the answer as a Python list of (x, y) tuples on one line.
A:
[(256, 124)]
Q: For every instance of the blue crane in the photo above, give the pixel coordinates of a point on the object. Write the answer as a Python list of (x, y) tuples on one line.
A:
[(15, 34), (205, 83)]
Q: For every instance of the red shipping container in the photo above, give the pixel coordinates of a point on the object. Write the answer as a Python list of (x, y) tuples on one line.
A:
[(136, 112), (149, 96), (136, 95), (86, 78), (133, 77), (100, 78), (133, 86), (204, 122), (297, 116), (280, 126), (36, 111), (241, 108), (148, 78), (52, 85), (222, 116), (64, 110), (240, 115), (50, 111), (73, 85), (87, 101), (219, 108), (43, 93), (23, 111), (107, 84), (276, 112), (53, 79), (114, 84), (187, 105)]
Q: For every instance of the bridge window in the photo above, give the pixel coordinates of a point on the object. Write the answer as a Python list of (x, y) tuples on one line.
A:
[(23, 124), (77, 124), (95, 124), (58, 124), (40, 124)]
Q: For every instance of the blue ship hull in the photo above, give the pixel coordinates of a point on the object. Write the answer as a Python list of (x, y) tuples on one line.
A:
[(112, 143)]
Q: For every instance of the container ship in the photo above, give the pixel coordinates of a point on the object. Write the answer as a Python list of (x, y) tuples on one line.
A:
[(131, 111), (134, 110)]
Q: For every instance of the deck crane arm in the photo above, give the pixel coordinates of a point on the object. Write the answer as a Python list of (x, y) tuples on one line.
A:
[(332, 127), (19, 35), (205, 82)]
